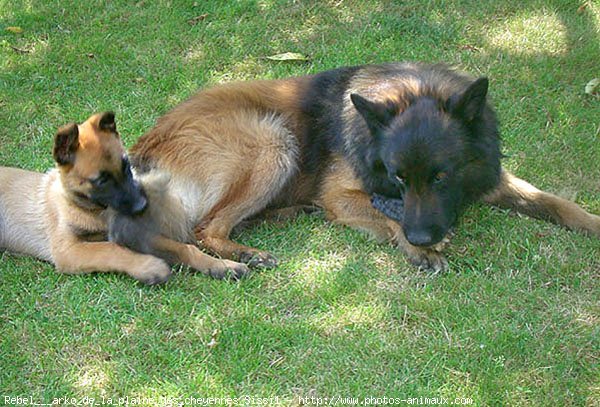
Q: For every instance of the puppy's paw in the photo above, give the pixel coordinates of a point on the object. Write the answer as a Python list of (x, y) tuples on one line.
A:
[(152, 271), (227, 269), (258, 259)]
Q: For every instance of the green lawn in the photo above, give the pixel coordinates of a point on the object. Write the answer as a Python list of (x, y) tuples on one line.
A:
[(515, 321)]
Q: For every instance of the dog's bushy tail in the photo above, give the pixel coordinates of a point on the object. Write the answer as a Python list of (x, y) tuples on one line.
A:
[(517, 194)]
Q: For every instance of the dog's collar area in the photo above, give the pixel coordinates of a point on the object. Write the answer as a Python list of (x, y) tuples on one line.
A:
[(85, 202)]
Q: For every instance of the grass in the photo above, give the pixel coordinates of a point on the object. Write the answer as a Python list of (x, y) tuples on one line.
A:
[(514, 322)]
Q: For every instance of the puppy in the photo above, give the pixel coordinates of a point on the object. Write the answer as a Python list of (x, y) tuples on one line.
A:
[(63, 216)]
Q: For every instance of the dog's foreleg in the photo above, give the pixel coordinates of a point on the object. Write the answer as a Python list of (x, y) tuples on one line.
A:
[(346, 203), (86, 257), (353, 208), (515, 193)]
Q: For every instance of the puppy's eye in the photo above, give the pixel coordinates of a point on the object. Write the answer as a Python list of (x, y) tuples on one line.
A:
[(440, 176), (101, 179)]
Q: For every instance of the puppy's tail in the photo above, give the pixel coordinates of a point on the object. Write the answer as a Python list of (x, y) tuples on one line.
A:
[(517, 194)]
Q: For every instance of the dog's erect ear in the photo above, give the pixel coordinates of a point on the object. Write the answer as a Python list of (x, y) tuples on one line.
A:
[(377, 115), (66, 143), (470, 103), (107, 122)]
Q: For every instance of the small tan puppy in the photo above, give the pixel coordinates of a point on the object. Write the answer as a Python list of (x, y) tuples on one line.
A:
[(63, 216)]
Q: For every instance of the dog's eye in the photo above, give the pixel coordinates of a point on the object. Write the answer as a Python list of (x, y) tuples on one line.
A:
[(401, 180), (440, 176)]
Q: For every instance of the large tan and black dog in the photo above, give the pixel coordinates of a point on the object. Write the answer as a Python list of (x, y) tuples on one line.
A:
[(63, 216), (421, 134)]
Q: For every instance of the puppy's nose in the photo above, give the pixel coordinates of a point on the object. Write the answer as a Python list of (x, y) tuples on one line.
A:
[(419, 238)]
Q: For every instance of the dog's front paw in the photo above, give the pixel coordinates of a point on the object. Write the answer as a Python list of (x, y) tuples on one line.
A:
[(258, 259), (151, 271), (427, 259), (441, 246)]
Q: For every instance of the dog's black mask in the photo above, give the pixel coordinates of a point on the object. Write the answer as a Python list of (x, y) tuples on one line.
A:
[(120, 192), (437, 155)]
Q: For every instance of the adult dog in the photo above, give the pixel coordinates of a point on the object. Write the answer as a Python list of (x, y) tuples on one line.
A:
[(423, 133), (64, 216)]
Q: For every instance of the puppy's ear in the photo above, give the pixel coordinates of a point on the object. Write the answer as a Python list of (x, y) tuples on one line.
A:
[(377, 115), (107, 122), (66, 143), (469, 104)]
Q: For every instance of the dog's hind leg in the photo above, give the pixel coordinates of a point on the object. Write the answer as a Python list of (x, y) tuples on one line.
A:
[(261, 169), (241, 202), (515, 193), (176, 252)]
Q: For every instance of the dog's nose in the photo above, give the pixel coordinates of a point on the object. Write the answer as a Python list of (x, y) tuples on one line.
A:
[(419, 238)]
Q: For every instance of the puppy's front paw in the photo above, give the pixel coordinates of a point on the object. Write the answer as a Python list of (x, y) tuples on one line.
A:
[(152, 271), (258, 259)]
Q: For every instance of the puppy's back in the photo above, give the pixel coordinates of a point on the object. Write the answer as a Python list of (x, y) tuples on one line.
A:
[(23, 211)]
